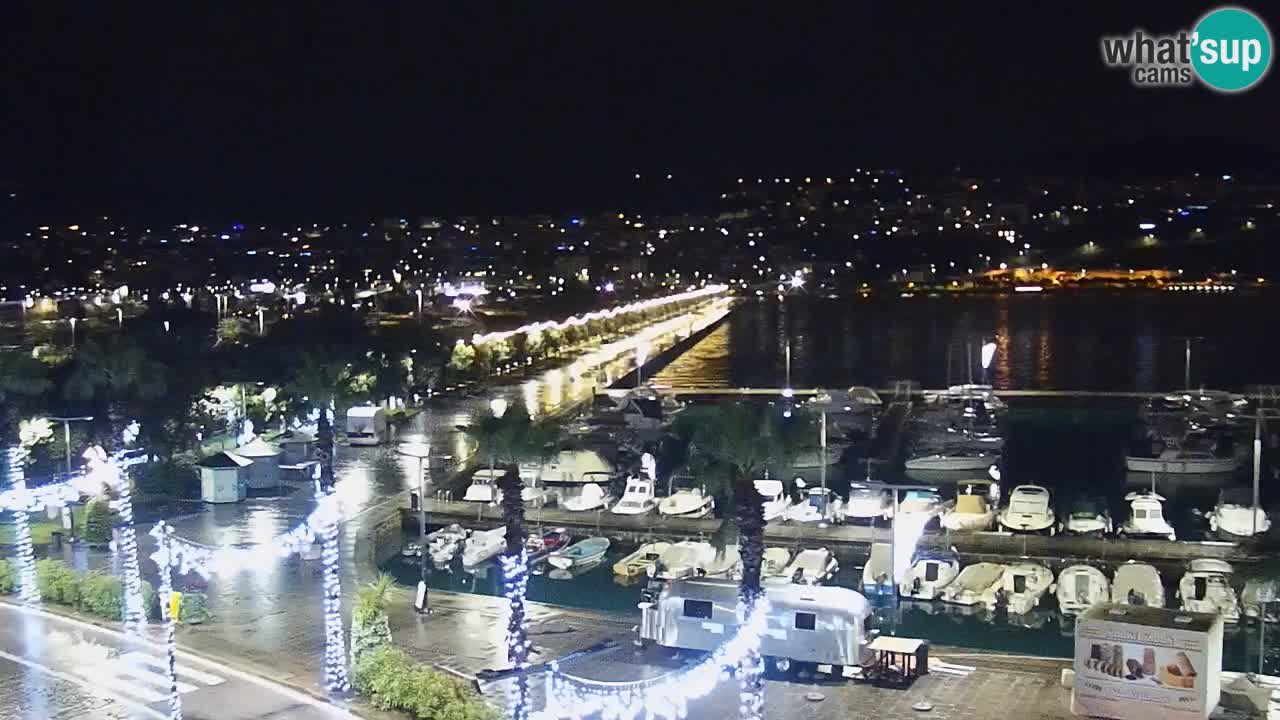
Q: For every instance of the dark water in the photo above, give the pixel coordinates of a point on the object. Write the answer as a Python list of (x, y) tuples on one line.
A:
[(1122, 341)]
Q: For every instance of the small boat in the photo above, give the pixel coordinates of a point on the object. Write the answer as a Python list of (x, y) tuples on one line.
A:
[(972, 582), (483, 488), (411, 550), (812, 566), (1021, 587), (575, 571), (1206, 587), (928, 575), (684, 559), (1137, 583), (1173, 460), (641, 561), (687, 502), (1146, 516), (924, 504), (443, 544), (580, 553), (775, 562), (953, 459), (483, 546), (638, 499), (868, 503), (1256, 595), (974, 507), (776, 501), (820, 505), (1029, 510), (1088, 516), (877, 573), (589, 496), (1080, 587), (538, 547), (723, 563), (1235, 518)]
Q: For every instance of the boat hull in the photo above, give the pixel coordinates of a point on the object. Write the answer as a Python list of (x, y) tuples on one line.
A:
[(947, 462), (1180, 467)]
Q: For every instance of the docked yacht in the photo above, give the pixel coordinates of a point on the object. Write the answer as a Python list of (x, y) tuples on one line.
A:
[(776, 501), (974, 507), (723, 563), (972, 582), (580, 554), (1235, 518), (953, 459), (483, 546), (812, 458), (1088, 516), (923, 504), (443, 544), (1206, 587), (1137, 583), (1256, 595), (819, 505), (774, 564), (928, 575), (812, 566), (641, 561), (1021, 588), (1146, 516), (1029, 510), (1080, 587), (638, 499), (683, 559), (1174, 460), (687, 502), (582, 498), (483, 487), (877, 573), (868, 503), (538, 546)]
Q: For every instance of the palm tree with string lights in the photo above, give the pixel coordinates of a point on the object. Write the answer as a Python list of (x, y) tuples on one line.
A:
[(318, 381), (733, 442)]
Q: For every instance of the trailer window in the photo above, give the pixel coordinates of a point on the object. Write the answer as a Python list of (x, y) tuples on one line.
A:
[(806, 621), (697, 609), (931, 572)]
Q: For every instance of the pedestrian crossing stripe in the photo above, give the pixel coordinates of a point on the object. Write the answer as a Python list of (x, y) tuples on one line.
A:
[(145, 677)]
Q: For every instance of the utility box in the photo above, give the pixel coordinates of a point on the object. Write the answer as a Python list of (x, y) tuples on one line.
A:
[(1146, 663)]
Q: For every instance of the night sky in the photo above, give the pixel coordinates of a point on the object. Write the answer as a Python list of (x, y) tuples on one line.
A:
[(378, 107)]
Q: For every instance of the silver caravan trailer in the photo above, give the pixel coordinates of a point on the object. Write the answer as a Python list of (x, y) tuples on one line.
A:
[(807, 623)]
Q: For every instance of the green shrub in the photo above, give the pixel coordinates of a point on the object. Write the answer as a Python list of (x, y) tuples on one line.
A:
[(8, 578), (370, 628), (97, 521), (194, 609), (102, 595), (396, 682), (168, 480), (57, 582)]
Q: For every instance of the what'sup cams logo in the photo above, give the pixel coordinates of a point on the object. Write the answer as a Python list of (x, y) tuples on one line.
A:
[(1229, 50)]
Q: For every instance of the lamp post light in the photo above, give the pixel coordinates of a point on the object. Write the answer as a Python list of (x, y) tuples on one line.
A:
[(498, 406), (73, 330), (68, 519), (421, 451)]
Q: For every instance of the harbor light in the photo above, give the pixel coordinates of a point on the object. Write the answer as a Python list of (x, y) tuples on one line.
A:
[(498, 406)]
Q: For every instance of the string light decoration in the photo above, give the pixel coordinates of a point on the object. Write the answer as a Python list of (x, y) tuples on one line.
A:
[(104, 470), (335, 641), (164, 561), (667, 697), (515, 574), (29, 592)]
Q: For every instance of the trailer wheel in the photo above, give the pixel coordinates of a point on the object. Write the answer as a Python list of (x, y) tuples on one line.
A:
[(778, 667)]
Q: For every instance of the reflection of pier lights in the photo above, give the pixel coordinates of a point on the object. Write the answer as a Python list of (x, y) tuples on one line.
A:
[(904, 536)]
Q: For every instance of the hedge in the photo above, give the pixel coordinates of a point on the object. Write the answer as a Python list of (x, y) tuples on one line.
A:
[(94, 593), (8, 578), (394, 681), (97, 521)]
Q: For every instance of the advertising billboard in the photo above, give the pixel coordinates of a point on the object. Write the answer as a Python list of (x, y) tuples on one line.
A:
[(1145, 663)]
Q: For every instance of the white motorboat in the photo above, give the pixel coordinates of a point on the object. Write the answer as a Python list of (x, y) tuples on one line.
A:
[(723, 563), (1234, 516), (1146, 516), (974, 508), (877, 573), (443, 544), (483, 488), (641, 561), (1021, 588), (820, 505), (1088, 516), (1080, 587), (776, 501), (955, 459), (1257, 594), (928, 575), (483, 546), (584, 498), (637, 499), (683, 559), (924, 504), (868, 503), (1206, 587), (1029, 510), (580, 554), (1137, 583), (812, 566), (972, 582), (775, 562), (687, 502), (1174, 460)]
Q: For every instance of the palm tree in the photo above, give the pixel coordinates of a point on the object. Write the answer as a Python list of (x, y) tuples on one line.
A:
[(739, 440), (23, 379), (317, 382), (512, 437), (115, 371)]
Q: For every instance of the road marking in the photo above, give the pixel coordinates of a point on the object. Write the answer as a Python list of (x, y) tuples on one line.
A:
[(103, 691), (141, 692), (140, 658)]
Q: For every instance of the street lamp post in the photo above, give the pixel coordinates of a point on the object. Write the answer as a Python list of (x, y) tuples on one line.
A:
[(642, 352), (423, 453), (68, 519)]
